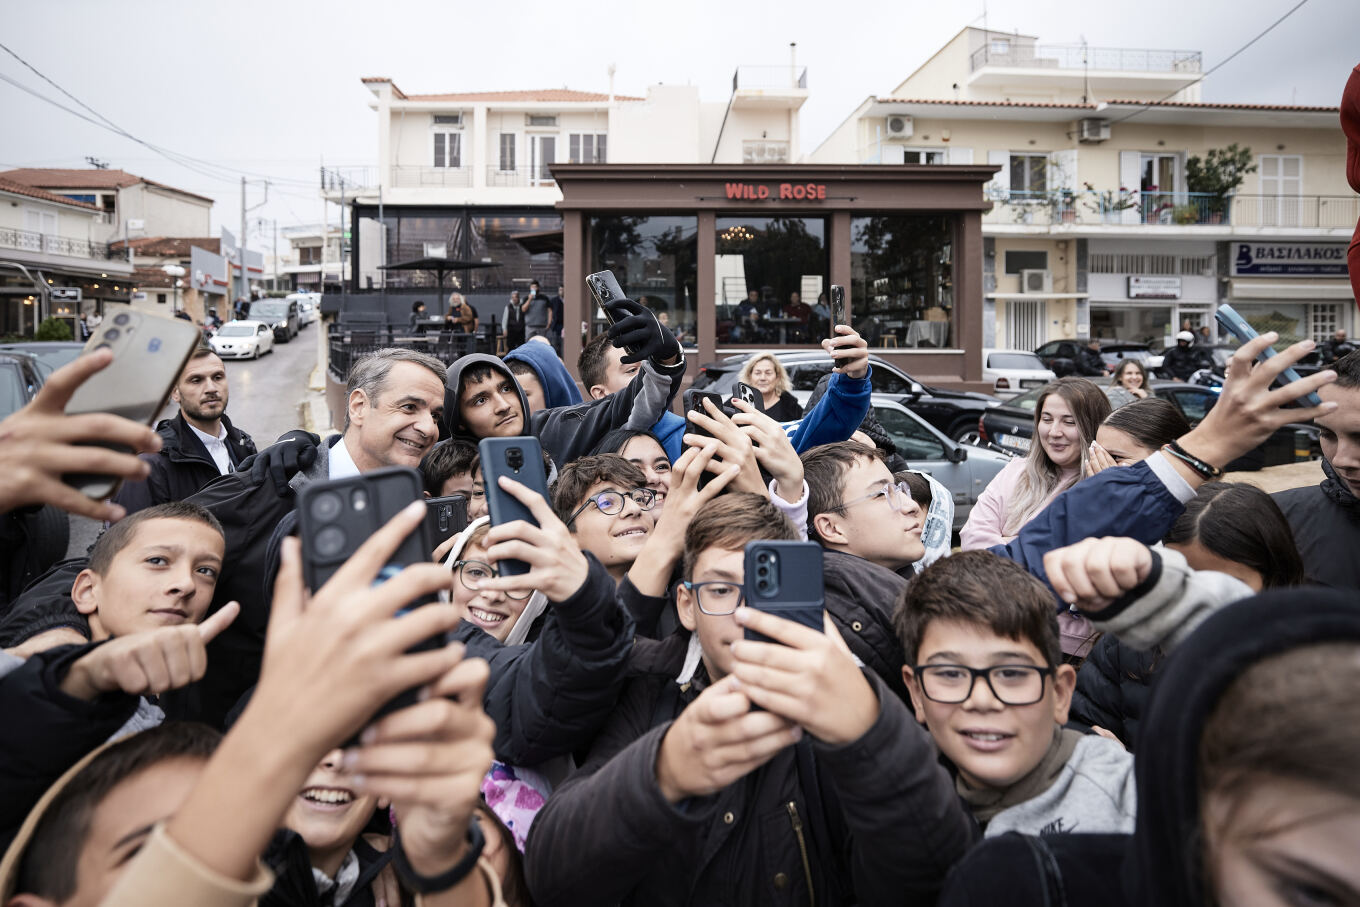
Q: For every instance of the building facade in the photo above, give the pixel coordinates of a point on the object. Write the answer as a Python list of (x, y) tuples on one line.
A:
[(1102, 225)]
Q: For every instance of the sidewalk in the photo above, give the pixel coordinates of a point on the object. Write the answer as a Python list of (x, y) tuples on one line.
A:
[(1278, 478)]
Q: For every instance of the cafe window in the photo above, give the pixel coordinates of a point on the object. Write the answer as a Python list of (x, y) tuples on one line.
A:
[(771, 276), (655, 261), (902, 283)]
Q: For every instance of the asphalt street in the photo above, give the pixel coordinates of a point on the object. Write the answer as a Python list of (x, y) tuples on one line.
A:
[(263, 401)]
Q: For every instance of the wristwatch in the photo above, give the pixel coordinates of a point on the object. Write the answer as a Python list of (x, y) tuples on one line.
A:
[(445, 880)]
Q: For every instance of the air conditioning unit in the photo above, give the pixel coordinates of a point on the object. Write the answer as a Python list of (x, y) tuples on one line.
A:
[(1035, 280), (1093, 130), (899, 127)]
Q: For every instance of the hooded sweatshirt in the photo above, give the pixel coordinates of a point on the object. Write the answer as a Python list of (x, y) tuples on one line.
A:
[(1161, 862), (569, 432), (1325, 520), (558, 388)]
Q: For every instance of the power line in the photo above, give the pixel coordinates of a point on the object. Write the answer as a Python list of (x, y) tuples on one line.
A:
[(1228, 59)]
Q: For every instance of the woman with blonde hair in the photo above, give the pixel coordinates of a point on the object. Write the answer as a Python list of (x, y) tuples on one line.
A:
[(1128, 383), (766, 374), (1066, 417)]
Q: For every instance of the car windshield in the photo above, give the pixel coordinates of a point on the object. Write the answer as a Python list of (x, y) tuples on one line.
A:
[(49, 359), (1015, 360), (12, 396), (269, 310), (1026, 401), (237, 330)]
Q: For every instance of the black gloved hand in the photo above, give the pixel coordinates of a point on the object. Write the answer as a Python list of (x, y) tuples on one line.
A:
[(293, 452), (637, 330)]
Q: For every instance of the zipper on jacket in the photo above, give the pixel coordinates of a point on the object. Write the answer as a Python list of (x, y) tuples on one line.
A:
[(802, 849)]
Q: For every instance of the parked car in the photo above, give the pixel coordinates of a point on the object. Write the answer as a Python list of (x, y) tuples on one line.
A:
[(49, 355), (955, 413), (1010, 426), (1013, 372), (309, 307), (280, 314), (243, 340), (1062, 355), (47, 529)]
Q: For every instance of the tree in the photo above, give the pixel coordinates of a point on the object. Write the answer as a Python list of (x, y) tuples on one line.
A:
[(1219, 173), (53, 329)]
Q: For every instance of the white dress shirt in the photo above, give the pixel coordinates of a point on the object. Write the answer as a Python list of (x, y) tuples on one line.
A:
[(340, 464), (217, 447)]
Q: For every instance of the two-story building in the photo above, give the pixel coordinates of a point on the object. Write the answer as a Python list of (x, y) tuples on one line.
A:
[(1101, 223), (52, 259), (314, 259)]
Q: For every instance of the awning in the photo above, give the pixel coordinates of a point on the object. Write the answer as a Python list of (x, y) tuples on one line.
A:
[(1254, 289)]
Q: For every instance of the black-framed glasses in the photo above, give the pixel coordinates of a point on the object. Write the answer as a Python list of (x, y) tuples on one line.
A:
[(899, 496), (472, 574), (1018, 684), (610, 502), (717, 597)]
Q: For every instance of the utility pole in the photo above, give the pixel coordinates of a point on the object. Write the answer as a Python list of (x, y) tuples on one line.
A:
[(241, 245)]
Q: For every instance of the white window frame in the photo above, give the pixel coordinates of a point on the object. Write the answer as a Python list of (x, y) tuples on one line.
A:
[(1010, 162), (452, 135), (576, 144), (501, 157), (941, 153)]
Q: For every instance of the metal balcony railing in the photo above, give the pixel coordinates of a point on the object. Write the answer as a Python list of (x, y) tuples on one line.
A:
[(28, 241), (520, 177), (1154, 208), (408, 177), (770, 78), (1077, 56)]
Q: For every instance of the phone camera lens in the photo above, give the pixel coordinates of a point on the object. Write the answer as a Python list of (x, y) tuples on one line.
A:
[(122, 318), (763, 585), (330, 541), (112, 334), (762, 571), (326, 507), (514, 458), (103, 346)]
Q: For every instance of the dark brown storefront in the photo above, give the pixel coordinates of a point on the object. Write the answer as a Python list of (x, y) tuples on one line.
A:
[(740, 258)]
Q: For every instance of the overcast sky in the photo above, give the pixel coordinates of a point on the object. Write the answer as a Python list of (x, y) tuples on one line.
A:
[(273, 87)]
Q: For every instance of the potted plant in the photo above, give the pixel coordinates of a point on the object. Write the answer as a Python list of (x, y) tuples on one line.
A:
[(1109, 204), (1185, 214), (1218, 175)]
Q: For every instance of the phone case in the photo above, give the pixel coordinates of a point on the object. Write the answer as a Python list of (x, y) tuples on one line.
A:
[(838, 316), (605, 288), (149, 352), (520, 458), (784, 578), (750, 394), (445, 517), (1238, 326)]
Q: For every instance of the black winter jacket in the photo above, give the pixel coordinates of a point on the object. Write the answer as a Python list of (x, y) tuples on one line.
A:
[(861, 597), (1325, 520), (1113, 687), (183, 465), (1161, 862), (873, 822), (47, 731)]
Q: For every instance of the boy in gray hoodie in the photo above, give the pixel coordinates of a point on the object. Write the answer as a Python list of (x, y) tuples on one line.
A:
[(987, 680)]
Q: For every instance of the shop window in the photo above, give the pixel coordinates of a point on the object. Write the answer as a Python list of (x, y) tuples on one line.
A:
[(902, 288), (1017, 261), (1029, 173), (771, 276), (656, 262)]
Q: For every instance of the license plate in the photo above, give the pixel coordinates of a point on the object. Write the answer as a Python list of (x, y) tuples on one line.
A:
[(1015, 441), (1032, 382)]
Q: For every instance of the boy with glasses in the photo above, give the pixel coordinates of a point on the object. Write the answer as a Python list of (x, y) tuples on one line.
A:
[(605, 502), (987, 679)]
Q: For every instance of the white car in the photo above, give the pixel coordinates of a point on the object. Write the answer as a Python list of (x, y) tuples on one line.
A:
[(309, 307), (1012, 372), (243, 340)]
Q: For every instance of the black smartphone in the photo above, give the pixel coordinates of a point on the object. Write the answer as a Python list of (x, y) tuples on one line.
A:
[(520, 458), (445, 518), (785, 579), (750, 394), (694, 402), (605, 288), (838, 316), (149, 353), (335, 517), (1245, 333)]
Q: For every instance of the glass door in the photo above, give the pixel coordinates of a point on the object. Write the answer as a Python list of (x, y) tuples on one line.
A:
[(1281, 184), (1158, 186), (542, 154)]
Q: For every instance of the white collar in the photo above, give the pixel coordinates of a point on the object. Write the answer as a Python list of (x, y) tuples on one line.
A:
[(204, 436), (340, 464)]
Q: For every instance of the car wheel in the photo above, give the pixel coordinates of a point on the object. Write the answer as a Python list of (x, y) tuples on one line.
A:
[(965, 432)]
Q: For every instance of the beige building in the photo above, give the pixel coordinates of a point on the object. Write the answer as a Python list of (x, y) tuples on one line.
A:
[(1099, 225)]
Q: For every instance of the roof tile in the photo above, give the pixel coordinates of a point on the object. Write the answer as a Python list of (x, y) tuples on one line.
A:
[(58, 178), (8, 185)]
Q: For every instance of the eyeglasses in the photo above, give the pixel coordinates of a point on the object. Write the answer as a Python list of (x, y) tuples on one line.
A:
[(899, 496), (472, 574), (716, 597), (1010, 684), (611, 502)]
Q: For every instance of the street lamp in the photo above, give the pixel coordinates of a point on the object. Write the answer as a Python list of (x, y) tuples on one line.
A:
[(176, 272)]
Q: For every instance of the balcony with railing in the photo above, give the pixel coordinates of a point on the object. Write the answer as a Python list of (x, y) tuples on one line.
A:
[(783, 87), (51, 244), (1115, 208), (411, 177), (520, 177), (1109, 71)]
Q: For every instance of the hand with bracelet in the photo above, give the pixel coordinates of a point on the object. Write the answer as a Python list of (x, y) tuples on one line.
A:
[(1248, 411)]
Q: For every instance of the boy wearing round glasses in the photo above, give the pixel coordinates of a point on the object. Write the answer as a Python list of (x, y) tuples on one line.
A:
[(987, 680), (605, 502)]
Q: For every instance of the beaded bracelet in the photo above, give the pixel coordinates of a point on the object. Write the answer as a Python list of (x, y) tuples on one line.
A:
[(1204, 469)]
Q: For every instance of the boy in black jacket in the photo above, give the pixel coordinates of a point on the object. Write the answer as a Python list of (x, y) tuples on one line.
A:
[(690, 797)]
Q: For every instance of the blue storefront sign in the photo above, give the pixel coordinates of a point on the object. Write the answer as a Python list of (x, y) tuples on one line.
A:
[(1288, 259)]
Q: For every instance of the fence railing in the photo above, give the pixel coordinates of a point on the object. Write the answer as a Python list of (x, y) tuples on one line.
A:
[(1153, 208), (28, 241), (519, 177), (348, 341), (1077, 56), (409, 177), (770, 78)]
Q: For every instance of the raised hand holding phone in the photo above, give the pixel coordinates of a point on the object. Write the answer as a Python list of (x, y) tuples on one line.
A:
[(1227, 316)]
